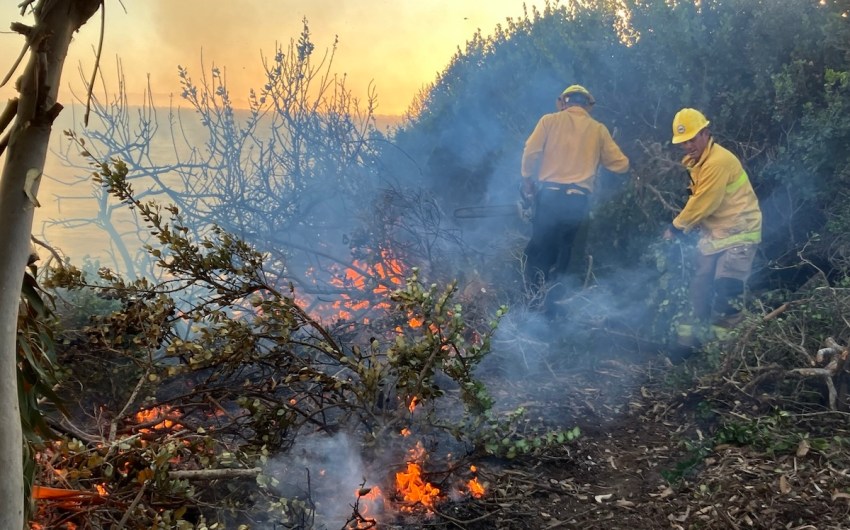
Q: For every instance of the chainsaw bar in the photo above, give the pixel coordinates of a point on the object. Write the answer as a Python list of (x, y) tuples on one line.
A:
[(497, 210)]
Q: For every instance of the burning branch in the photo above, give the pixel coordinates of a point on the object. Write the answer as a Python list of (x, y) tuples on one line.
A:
[(66, 495), (359, 520)]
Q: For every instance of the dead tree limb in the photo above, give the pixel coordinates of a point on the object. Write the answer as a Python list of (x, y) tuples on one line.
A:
[(834, 373), (214, 474), (827, 377), (781, 309)]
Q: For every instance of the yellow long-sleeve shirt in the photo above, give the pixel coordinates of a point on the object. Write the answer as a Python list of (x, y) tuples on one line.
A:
[(722, 204), (567, 147)]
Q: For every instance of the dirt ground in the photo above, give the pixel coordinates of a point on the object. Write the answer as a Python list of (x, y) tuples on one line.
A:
[(645, 460)]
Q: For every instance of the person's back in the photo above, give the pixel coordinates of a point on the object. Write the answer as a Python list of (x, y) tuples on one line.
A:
[(569, 146), (559, 165)]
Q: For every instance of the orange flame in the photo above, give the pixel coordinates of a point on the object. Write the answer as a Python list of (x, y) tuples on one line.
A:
[(410, 484), (476, 489), (379, 279), (413, 488), (158, 413), (413, 401)]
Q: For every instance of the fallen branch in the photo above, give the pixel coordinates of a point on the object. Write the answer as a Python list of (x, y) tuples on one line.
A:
[(129, 511), (827, 377), (833, 350), (778, 311), (832, 373), (214, 474)]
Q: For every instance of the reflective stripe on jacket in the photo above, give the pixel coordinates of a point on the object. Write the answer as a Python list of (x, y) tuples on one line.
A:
[(567, 147), (723, 204)]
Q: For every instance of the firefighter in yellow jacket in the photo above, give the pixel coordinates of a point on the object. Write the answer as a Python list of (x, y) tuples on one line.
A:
[(725, 210), (559, 165)]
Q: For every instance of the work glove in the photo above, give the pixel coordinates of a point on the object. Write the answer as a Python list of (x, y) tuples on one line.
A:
[(527, 189)]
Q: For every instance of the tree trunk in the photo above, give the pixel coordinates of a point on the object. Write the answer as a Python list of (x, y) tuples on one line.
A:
[(55, 23)]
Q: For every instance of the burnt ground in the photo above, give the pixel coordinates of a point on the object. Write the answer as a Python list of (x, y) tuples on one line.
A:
[(647, 458)]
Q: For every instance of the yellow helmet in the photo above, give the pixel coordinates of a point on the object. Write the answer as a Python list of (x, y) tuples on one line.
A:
[(686, 124), (578, 89)]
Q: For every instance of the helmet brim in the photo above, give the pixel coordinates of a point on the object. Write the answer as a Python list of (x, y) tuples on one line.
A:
[(685, 136)]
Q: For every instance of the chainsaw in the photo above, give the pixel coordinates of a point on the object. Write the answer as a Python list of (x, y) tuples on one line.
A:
[(523, 208)]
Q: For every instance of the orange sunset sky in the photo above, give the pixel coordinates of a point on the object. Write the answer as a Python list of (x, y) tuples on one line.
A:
[(398, 45)]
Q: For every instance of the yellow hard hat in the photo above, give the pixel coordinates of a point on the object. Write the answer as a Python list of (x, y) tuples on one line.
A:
[(686, 124), (578, 89)]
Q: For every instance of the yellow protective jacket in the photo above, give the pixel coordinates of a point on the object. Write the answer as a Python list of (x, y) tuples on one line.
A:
[(567, 147), (723, 204)]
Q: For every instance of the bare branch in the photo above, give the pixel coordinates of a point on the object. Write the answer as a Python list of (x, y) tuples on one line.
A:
[(96, 63), (660, 197), (15, 65), (23, 5), (133, 504)]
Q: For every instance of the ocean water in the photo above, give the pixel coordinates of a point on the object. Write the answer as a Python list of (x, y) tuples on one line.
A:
[(67, 199), (73, 210)]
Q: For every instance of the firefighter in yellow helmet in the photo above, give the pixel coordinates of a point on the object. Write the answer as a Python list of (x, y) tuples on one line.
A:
[(725, 210), (559, 166)]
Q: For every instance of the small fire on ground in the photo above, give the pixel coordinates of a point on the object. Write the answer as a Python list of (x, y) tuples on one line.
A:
[(410, 484), (414, 493), (417, 493)]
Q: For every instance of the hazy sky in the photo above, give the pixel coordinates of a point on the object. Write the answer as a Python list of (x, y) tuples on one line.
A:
[(399, 45)]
